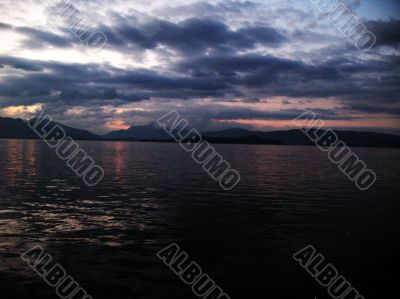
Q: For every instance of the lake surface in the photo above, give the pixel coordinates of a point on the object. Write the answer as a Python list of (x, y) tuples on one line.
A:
[(153, 194)]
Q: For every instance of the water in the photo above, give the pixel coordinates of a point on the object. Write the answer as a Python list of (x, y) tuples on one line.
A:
[(153, 194)]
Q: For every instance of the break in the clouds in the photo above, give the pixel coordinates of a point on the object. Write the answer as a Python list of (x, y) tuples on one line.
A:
[(221, 63)]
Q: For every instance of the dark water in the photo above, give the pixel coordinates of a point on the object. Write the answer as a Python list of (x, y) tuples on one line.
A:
[(153, 194)]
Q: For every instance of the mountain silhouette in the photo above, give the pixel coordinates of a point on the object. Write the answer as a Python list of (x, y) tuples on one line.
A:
[(297, 137), (77, 134), (11, 128), (149, 132), (17, 129), (237, 135)]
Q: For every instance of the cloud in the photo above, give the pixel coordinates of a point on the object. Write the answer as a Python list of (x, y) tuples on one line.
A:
[(243, 53), (4, 26), (387, 32), (22, 64), (192, 35), (232, 76), (37, 38)]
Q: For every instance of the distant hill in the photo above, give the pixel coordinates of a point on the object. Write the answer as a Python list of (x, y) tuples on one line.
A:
[(297, 137), (11, 128), (17, 129), (237, 135), (149, 132), (77, 134)]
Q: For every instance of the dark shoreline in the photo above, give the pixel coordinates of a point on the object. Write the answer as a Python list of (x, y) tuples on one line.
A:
[(211, 142)]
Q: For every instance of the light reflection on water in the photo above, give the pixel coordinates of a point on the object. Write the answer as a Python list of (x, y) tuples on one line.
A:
[(154, 194)]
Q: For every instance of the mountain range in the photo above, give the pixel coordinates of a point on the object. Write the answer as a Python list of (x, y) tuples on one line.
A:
[(11, 128), (17, 129)]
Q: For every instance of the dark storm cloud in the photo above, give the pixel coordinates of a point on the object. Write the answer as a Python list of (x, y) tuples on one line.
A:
[(21, 64), (38, 38), (289, 114), (82, 83), (387, 32), (59, 81), (256, 71), (202, 8), (226, 77), (191, 35), (264, 35), (208, 61), (4, 26), (375, 108)]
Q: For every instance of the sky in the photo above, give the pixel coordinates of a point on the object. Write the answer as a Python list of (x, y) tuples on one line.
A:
[(220, 64)]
